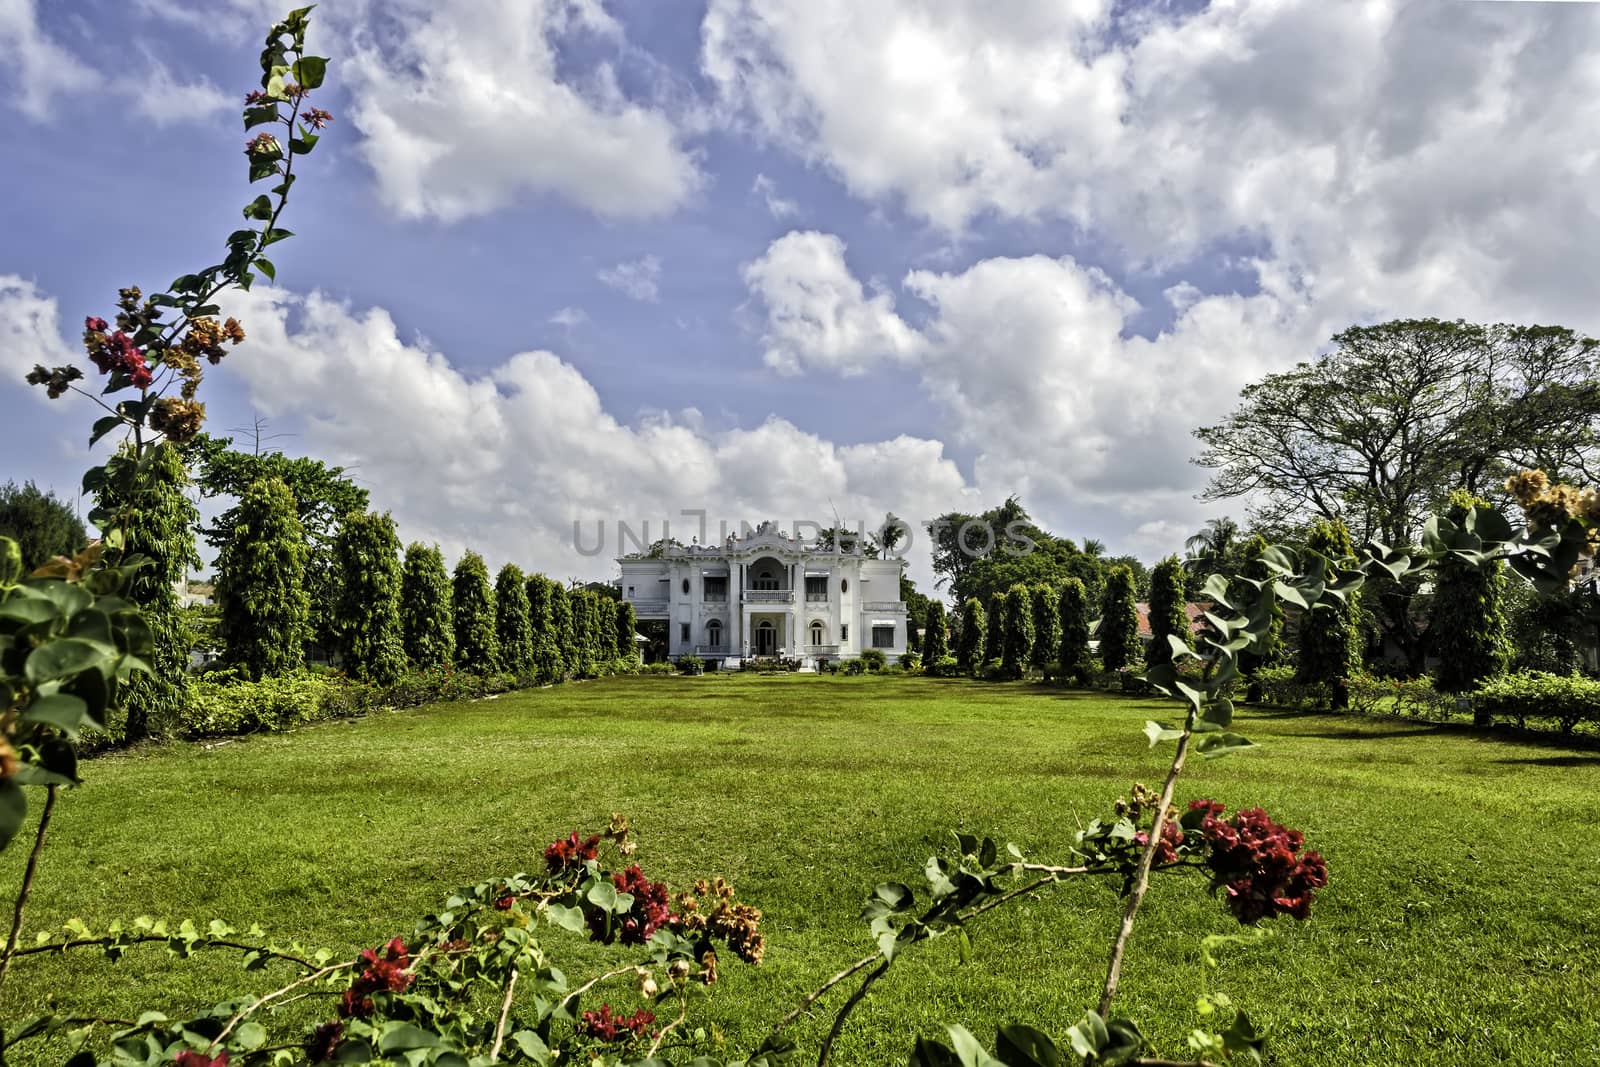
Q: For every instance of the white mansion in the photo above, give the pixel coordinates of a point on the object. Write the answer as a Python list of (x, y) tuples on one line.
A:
[(769, 595)]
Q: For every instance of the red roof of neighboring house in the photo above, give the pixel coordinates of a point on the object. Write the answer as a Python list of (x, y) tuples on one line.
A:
[(1192, 609)]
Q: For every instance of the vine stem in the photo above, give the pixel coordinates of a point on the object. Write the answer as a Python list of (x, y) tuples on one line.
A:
[(144, 939), (261, 1002), (844, 1012), (27, 882), (505, 1013), (661, 1035), (1141, 880), (591, 983)]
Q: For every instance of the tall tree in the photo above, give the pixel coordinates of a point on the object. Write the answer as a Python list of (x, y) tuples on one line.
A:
[(260, 584), (513, 622), (994, 638), (1214, 549), (605, 633), (472, 603), (367, 627), (583, 612), (157, 520), (1046, 626), (1119, 621), (1073, 611), (1377, 431), (1019, 631), (974, 631), (935, 642), (1330, 635), (1168, 616), (427, 620), (1467, 629), (41, 525), (548, 664), (322, 496)]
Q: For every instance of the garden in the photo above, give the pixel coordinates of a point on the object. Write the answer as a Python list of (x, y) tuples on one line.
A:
[(369, 809)]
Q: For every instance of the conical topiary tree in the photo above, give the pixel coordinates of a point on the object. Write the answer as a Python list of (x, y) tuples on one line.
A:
[(1330, 638), (935, 641), (974, 630), (627, 627), (994, 636), (513, 625), (265, 611), (1019, 631), (561, 628), (1073, 611), (472, 602), (367, 573), (547, 663), (1467, 628), (605, 633), (1046, 627), (583, 633), (427, 621), (1119, 620), (1167, 614)]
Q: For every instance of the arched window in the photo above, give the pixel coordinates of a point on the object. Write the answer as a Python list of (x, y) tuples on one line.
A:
[(686, 587), (766, 639), (844, 585), (714, 633), (818, 633), (764, 579)]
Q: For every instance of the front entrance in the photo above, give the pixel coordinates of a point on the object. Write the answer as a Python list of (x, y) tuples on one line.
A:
[(766, 639)]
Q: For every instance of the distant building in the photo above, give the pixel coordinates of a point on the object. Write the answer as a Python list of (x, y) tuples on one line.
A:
[(768, 594), (195, 594)]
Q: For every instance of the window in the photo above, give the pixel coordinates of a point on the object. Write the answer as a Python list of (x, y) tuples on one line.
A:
[(683, 632), (844, 585), (818, 634), (630, 592), (844, 631), (714, 590), (816, 589), (714, 633), (686, 587), (764, 579), (883, 637)]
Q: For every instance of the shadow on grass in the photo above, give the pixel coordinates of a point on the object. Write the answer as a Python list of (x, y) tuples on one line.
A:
[(1591, 760)]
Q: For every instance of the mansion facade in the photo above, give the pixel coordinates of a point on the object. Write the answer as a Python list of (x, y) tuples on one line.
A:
[(768, 594)]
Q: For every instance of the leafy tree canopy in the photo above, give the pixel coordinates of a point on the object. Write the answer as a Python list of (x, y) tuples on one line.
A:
[(43, 526)]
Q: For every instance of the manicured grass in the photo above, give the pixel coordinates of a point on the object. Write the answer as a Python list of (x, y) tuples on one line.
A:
[(1462, 923)]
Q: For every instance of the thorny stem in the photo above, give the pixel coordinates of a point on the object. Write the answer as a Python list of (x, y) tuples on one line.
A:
[(661, 1035), (845, 1010), (27, 882), (60, 1021), (591, 983), (251, 1009), (1141, 880), (505, 1013), (141, 939)]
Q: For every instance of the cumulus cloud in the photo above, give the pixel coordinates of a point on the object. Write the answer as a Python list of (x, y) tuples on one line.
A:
[(818, 314), (777, 206), (40, 69), (164, 100), (30, 331), (506, 460), (570, 317), (638, 279), (463, 112)]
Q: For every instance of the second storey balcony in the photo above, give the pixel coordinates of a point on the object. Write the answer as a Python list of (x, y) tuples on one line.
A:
[(769, 596)]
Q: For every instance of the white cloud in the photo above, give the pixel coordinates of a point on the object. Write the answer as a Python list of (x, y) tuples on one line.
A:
[(165, 101), (464, 112), (570, 317), (818, 314), (637, 279), (30, 332), (505, 461), (39, 68), (778, 207)]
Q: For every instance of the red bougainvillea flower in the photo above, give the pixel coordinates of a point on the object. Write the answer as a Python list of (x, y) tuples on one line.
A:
[(570, 851), (388, 970), (504, 903), (1257, 863), (324, 1040), (651, 905), (1167, 851), (607, 1026), (190, 1058)]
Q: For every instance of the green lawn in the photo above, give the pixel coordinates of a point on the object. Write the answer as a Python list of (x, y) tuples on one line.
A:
[(1461, 925)]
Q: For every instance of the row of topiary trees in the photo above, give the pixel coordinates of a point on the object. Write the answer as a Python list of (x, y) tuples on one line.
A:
[(1045, 626), (391, 614)]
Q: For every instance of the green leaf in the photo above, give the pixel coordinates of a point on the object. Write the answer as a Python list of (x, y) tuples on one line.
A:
[(929, 1053), (302, 145), (264, 265), (67, 657), (28, 610), (1242, 1039), (66, 713), (566, 918), (532, 1046), (13, 809), (1219, 711), (1159, 732), (400, 1036), (970, 1052), (898, 896), (603, 895), (102, 426), (1023, 1046), (251, 1035), (274, 236), (1123, 1042), (310, 70), (1221, 744), (68, 598)]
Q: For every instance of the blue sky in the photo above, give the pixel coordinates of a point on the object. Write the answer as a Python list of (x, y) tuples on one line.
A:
[(772, 258)]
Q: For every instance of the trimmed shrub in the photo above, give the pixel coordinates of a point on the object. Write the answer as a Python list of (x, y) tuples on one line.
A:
[(1119, 620), (935, 641), (1330, 636), (1167, 614), (260, 584), (226, 706), (873, 659), (1018, 648), (1281, 686), (366, 617), (974, 623), (854, 666), (1467, 626), (909, 661), (513, 622), (1566, 699), (1046, 627), (691, 665), (994, 637), (1073, 612), (1415, 697), (945, 667)]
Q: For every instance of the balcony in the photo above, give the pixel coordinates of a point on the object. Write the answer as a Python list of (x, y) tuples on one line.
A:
[(822, 650), (883, 605), (650, 606), (714, 598), (769, 596), (816, 598), (713, 650)]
